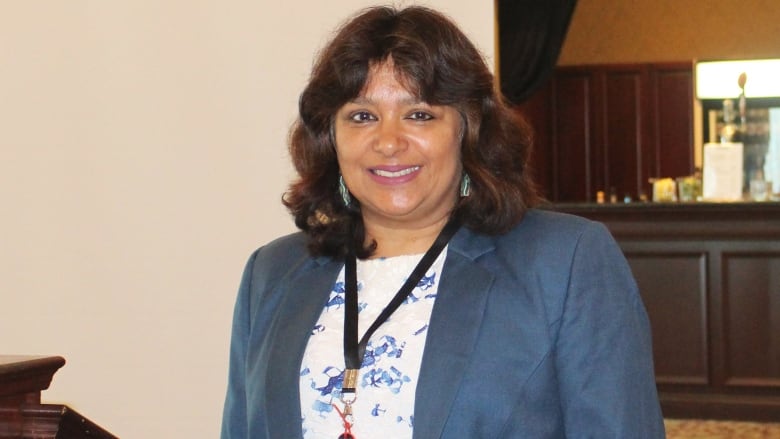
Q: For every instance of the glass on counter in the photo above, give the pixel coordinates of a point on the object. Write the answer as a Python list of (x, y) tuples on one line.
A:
[(760, 190), (664, 190), (689, 188)]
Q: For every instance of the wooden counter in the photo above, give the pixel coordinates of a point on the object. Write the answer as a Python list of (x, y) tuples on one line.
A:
[(709, 275)]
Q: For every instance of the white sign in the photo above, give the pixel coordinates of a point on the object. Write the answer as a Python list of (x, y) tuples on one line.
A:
[(722, 176)]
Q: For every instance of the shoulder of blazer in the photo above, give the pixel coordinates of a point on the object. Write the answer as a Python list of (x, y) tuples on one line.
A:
[(280, 259), (553, 226), (539, 232)]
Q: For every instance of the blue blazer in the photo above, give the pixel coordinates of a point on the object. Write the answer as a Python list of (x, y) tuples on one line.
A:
[(537, 333)]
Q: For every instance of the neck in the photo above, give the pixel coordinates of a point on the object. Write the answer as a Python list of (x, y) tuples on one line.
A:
[(395, 240)]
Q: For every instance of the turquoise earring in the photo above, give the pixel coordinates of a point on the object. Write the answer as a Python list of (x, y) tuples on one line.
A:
[(465, 185), (344, 192)]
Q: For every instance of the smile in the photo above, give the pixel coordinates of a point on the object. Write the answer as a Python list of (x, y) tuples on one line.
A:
[(395, 174)]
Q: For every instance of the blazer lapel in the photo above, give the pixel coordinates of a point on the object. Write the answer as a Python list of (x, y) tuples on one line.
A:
[(452, 333), (298, 313)]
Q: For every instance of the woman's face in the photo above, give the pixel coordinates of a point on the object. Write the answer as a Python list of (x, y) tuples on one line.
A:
[(399, 157)]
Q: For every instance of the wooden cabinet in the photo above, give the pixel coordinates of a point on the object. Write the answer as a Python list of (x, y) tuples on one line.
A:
[(611, 127), (709, 275)]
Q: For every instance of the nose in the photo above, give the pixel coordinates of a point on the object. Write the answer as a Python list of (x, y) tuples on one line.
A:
[(390, 138)]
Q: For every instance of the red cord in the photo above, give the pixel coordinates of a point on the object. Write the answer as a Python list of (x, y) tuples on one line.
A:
[(347, 426)]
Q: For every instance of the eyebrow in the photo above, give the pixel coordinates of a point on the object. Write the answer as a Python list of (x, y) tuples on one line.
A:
[(413, 100)]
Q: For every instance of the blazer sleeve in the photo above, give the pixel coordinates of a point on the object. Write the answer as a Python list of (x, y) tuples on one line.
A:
[(604, 354), (234, 415)]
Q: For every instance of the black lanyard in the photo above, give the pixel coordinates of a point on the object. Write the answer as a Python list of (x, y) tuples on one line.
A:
[(354, 350)]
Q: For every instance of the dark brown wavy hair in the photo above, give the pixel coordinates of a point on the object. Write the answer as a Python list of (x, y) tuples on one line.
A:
[(440, 66)]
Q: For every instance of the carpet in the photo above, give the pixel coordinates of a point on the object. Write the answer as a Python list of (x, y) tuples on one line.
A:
[(706, 429)]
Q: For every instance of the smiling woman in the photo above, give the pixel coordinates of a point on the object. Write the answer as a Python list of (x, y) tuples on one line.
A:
[(425, 296)]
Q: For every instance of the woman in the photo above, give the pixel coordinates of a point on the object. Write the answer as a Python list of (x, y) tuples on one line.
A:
[(425, 297)]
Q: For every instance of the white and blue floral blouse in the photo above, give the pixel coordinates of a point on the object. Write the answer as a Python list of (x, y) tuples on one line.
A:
[(388, 377)]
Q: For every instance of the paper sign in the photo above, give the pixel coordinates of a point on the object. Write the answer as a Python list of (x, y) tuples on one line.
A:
[(722, 176)]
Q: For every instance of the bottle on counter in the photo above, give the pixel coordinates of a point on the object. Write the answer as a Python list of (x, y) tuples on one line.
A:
[(729, 132)]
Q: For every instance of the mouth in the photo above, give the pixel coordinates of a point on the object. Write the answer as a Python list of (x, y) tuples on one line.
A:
[(395, 174)]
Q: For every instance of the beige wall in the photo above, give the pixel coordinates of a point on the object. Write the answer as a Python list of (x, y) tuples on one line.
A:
[(610, 31), (141, 159)]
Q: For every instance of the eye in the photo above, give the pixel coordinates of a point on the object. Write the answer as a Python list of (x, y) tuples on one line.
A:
[(361, 116), (420, 116)]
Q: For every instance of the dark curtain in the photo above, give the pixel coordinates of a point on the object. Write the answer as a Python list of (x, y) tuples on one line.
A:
[(530, 36)]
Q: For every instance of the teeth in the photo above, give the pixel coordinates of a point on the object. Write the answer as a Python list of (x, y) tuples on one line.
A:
[(400, 173)]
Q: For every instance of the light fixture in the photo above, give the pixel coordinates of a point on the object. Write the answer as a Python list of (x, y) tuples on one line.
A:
[(719, 79)]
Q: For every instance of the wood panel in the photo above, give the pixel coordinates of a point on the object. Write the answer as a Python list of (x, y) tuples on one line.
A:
[(669, 146), (680, 345), (620, 134), (536, 112), (751, 291), (572, 143)]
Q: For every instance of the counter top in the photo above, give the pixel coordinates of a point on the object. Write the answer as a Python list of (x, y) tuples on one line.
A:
[(746, 206), (748, 220)]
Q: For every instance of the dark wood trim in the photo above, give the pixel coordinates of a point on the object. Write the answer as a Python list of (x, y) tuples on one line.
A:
[(726, 407), (729, 221), (22, 379)]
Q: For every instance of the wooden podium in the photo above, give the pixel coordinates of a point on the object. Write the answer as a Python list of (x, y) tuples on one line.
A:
[(22, 378)]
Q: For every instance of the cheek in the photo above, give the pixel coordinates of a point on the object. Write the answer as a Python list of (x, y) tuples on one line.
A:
[(449, 155), (342, 147), (346, 158), (347, 146)]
